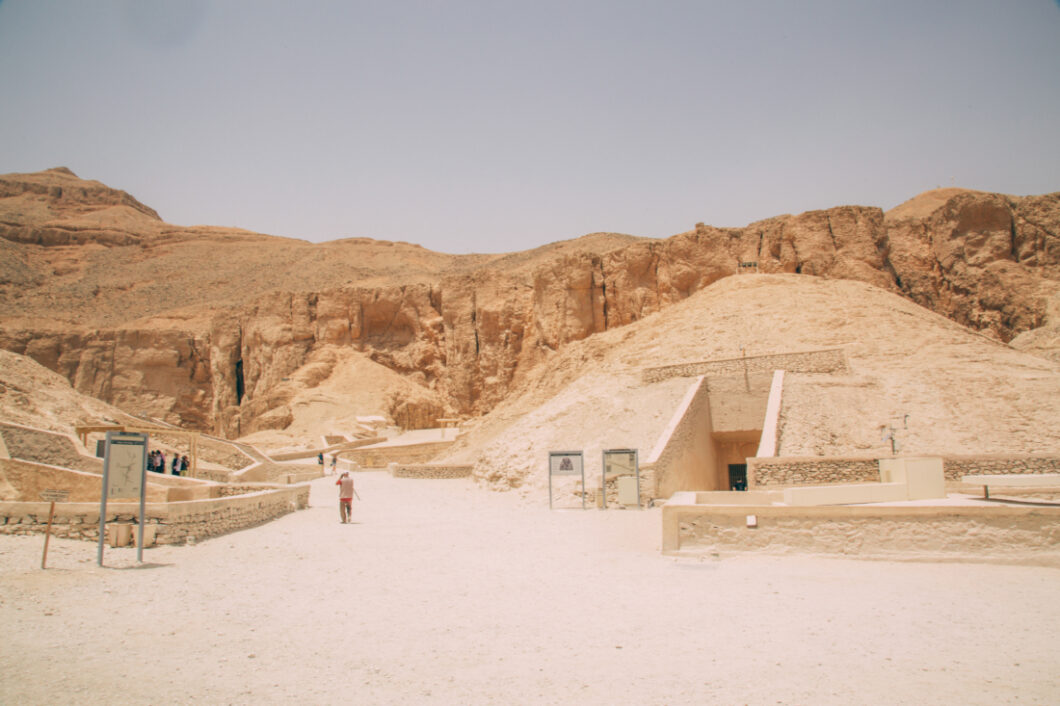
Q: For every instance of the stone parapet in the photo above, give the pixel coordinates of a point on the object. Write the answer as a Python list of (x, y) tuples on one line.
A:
[(430, 471), (383, 456), (957, 466), (997, 533), (338, 447), (832, 360), (175, 522), (765, 472), (780, 471)]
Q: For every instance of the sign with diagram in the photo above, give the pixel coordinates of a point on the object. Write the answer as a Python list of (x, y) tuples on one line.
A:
[(125, 463), (563, 464), (124, 476)]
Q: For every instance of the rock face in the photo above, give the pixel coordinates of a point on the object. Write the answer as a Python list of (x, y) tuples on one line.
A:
[(214, 328)]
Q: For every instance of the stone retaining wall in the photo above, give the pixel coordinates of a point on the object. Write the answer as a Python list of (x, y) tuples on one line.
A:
[(831, 360), (764, 472), (216, 475), (385, 455), (47, 447), (312, 453), (175, 522), (957, 466), (1003, 534), (430, 471)]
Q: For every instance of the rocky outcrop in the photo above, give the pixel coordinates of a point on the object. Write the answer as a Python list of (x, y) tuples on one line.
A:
[(465, 329)]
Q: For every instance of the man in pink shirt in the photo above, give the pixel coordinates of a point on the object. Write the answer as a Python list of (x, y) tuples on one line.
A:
[(346, 493)]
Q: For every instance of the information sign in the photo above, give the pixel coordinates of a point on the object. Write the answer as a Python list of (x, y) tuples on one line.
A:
[(620, 464), (565, 463), (124, 476)]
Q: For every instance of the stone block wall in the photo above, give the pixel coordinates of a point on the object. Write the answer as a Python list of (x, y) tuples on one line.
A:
[(312, 453), (430, 471), (175, 523), (832, 360), (956, 466), (383, 456), (47, 447), (1008, 534), (823, 470), (26, 480)]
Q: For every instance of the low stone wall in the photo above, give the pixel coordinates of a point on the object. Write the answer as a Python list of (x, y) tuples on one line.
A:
[(216, 475), (430, 471), (174, 522), (956, 466), (832, 360), (26, 480), (764, 472), (312, 453), (47, 447), (1002, 534), (385, 455), (780, 471)]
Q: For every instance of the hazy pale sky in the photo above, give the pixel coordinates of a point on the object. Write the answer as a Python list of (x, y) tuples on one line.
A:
[(500, 126)]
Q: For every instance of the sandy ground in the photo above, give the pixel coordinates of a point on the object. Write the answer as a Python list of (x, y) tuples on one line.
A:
[(443, 593)]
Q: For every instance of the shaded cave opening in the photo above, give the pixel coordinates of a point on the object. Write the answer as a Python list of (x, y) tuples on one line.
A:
[(239, 381)]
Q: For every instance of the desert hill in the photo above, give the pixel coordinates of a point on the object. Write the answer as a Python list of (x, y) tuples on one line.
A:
[(230, 331), (964, 393)]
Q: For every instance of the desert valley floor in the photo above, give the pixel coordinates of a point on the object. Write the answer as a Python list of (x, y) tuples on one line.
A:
[(443, 593)]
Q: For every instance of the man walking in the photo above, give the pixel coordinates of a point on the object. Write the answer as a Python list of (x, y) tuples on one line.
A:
[(346, 493)]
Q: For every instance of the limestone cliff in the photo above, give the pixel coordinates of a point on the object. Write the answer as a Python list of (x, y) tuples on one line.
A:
[(220, 328)]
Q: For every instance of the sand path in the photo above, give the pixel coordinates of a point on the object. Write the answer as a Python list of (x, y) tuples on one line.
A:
[(442, 593)]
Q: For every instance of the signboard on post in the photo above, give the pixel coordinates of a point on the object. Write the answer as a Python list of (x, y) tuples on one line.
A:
[(565, 463), (124, 476)]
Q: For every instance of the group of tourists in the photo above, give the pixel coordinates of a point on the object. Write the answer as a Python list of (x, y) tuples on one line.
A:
[(156, 463), (334, 461)]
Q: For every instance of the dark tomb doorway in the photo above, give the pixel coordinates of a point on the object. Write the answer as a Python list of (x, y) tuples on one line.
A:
[(737, 476)]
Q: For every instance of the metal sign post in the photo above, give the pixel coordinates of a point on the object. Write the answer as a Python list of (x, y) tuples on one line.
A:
[(124, 475), (565, 463), (620, 462), (53, 496)]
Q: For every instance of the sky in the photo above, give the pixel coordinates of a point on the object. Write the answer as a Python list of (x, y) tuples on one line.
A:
[(500, 126)]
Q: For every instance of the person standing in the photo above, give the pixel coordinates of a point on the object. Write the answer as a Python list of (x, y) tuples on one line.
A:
[(334, 461), (346, 493)]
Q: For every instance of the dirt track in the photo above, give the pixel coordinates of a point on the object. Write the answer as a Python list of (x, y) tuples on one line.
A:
[(442, 593)]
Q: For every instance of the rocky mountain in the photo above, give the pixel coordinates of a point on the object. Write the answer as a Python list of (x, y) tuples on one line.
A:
[(223, 330)]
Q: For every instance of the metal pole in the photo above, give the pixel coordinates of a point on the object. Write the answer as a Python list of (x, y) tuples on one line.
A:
[(550, 481), (47, 535), (636, 465), (603, 480), (140, 526), (583, 483), (103, 500)]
